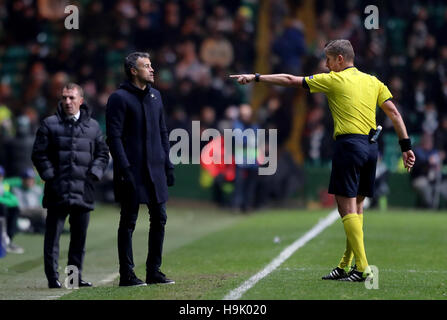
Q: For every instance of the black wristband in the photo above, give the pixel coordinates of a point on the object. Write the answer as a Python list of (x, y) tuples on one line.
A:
[(405, 144), (257, 75)]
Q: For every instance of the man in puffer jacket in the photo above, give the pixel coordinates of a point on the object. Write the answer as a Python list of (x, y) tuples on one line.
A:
[(70, 154)]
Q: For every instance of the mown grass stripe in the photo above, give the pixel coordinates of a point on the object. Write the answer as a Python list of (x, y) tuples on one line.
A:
[(283, 256)]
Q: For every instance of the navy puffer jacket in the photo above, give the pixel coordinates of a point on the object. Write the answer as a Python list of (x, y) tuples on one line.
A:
[(68, 156)]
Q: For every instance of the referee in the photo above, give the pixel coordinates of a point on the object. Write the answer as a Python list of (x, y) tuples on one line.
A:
[(353, 97)]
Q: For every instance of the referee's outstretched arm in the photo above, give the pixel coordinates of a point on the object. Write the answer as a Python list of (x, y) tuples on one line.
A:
[(288, 80), (281, 79), (407, 154)]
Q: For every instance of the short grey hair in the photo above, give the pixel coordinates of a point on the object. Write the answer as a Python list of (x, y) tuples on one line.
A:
[(71, 86), (340, 47), (131, 62)]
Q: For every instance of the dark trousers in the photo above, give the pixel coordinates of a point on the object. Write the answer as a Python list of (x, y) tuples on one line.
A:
[(157, 221), (79, 219), (245, 188), (11, 215)]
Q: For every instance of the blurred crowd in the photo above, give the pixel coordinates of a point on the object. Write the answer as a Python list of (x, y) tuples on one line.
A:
[(196, 44)]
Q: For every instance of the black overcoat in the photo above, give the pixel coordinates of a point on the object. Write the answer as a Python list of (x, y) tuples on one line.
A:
[(138, 139)]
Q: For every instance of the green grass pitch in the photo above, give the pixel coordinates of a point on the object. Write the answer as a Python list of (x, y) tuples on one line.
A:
[(210, 252)]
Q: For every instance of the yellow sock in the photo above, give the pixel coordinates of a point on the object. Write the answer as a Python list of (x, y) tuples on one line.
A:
[(346, 260), (354, 233), (360, 215)]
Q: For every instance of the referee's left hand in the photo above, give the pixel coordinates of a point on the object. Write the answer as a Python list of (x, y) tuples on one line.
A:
[(243, 78), (409, 159)]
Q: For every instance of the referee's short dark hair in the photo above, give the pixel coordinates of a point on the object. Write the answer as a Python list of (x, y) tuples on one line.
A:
[(340, 47), (131, 62)]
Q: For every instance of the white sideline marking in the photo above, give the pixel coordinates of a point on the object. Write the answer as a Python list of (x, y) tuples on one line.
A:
[(65, 291), (109, 278), (283, 256)]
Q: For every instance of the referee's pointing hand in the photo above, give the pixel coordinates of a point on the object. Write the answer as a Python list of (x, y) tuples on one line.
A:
[(243, 78)]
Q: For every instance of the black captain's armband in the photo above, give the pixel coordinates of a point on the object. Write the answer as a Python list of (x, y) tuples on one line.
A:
[(405, 144)]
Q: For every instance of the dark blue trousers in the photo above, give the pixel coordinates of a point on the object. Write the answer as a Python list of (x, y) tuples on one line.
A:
[(130, 205), (79, 219)]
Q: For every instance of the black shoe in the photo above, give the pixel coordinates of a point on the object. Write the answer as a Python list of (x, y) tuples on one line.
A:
[(158, 277), (354, 276), (336, 274), (83, 283), (352, 269), (131, 280), (54, 284)]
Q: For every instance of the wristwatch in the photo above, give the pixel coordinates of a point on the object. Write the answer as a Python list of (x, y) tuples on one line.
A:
[(257, 75)]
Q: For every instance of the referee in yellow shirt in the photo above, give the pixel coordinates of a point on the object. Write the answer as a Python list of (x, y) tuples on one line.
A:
[(353, 97)]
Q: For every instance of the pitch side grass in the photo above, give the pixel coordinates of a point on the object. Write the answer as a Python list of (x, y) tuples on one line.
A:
[(210, 252)]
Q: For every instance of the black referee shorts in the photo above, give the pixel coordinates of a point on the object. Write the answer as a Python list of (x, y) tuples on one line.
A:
[(353, 166)]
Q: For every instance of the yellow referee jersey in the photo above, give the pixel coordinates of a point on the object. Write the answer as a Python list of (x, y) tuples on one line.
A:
[(353, 97)]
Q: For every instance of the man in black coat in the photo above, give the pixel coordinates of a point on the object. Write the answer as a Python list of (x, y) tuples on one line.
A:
[(70, 154), (139, 144)]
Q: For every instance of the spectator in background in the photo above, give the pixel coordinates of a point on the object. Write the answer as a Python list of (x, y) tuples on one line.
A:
[(6, 128), (220, 20), (23, 19), (290, 47), (426, 177), (441, 137), (242, 40), (96, 21), (34, 92), (207, 118), (29, 196), (184, 98), (191, 29), (246, 157), (275, 114), (10, 210), (179, 120), (189, 64), (223, 91), (148, 30), (219, 176), (430, 122), (56, 83), (64, 56), (171, 19), (204, 95), (18, 150), (317, 138), (216, 50), (231, 114), (6, 124)]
